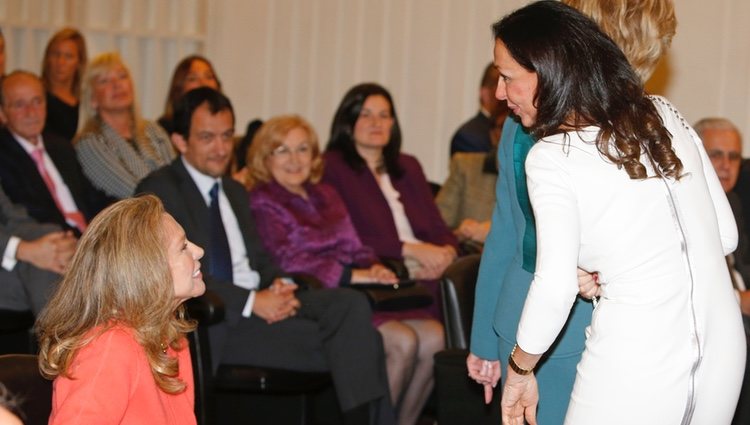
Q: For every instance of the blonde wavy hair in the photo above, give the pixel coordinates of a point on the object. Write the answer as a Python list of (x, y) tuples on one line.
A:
[(65, 34), (90, 121), (643, 29), (119, 275), (270, 136)]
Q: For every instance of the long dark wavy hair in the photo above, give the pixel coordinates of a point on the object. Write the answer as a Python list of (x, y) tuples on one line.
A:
[(342, 129), (585, 79)]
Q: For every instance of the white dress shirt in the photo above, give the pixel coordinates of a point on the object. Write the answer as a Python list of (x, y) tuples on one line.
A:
[(63, 194), (244, 276)]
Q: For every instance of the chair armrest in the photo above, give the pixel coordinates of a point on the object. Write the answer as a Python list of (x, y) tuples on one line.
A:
[(397, 267), (208, 309), (306, 281), (14, 321), (469, 247)]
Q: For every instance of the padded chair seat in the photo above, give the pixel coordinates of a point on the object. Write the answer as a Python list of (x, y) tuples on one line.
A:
[(14, 321), (268, 380), (15, 332)]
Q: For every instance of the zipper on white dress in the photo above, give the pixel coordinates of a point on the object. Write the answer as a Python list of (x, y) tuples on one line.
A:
[(690, 405)]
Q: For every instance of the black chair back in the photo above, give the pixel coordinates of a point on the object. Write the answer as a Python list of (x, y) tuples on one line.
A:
[(16, 335), (457, 290), (460, 399), (208, 310), (20, 375)]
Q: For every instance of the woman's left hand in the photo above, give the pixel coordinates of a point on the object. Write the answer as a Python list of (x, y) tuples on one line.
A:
[(519, 400), (378, 273), (382, 274)]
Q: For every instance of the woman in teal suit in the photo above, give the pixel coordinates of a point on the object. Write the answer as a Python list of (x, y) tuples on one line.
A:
[(505, 273), (509, 257)]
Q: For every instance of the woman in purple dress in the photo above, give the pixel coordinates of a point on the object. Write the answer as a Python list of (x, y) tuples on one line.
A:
[(306, 227)]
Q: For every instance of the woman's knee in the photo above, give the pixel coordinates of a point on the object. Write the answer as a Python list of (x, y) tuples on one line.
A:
[(431, 337), (399, 340)]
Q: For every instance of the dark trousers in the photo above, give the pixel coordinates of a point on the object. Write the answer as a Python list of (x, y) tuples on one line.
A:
[(26, 287), (333, 332)]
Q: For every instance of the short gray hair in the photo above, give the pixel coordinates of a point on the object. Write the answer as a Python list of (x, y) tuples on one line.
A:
[(715, 123)]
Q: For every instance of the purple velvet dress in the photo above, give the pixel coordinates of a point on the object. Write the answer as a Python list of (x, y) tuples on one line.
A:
[(313, 236)]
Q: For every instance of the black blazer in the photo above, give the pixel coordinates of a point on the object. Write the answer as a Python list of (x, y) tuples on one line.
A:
[(473, 135), (182, 199), (24, 185)]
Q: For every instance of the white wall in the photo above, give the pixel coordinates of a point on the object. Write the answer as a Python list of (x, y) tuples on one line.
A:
[(709, 63), (151, 36), (282, 56), (302, 56)]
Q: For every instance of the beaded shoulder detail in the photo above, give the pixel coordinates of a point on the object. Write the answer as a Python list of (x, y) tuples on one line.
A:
[(658, 100)]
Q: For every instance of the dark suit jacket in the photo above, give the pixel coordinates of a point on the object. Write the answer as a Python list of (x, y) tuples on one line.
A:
[(371, 214), (742, 253), (24, 185), (182, 199), (25, 286), (473, 135)]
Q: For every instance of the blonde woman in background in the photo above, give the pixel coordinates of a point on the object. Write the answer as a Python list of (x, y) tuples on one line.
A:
[(306, 227), (115, 146), (62, 72), (113, 335)]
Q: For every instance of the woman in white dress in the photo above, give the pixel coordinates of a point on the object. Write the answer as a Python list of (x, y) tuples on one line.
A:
[(621, 185)]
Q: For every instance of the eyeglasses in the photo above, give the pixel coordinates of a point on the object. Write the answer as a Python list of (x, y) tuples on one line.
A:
[(716, 155), (22, 105), (285, 152)]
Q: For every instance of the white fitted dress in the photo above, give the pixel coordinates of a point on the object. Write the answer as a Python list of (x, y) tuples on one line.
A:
[(666, 343)]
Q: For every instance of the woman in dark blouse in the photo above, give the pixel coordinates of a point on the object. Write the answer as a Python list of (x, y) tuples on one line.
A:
[(192, 72), (385, 191), (62, 71), (306, 227)]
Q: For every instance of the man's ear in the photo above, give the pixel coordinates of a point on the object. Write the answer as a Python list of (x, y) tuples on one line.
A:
[(179, 142)]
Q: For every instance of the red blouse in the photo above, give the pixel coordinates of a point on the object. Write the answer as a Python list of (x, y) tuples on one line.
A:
[(112, 384)]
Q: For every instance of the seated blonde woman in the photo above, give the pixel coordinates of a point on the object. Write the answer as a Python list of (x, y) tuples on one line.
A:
[(113, 335), (306, 227), (115, 146)]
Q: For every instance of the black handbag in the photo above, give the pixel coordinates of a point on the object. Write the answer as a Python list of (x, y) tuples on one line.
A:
[(405, 295)]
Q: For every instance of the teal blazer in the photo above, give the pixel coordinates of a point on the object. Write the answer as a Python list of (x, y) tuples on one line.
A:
[(502, 286)]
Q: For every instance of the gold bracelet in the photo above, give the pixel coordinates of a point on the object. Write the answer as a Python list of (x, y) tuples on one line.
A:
[(515, 367)]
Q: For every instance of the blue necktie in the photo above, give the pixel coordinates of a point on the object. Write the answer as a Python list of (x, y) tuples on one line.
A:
[(220, 265)]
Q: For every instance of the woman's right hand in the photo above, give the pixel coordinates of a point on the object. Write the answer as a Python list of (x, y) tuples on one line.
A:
[(519, 400), (473, 230), (433, 258)]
